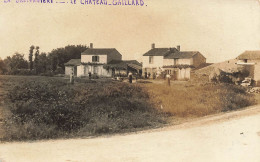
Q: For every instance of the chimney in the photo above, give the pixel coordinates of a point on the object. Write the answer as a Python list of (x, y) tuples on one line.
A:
[(179, 48), (153, 46), (91, 45)]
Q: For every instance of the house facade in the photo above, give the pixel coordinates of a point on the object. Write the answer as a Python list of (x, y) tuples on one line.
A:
[(172, 61), (105, 62), (250, 62)]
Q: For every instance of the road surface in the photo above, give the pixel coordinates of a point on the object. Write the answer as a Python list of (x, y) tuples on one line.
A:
[(233, 136)]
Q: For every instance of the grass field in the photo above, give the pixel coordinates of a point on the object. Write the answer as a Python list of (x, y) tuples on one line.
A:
[(190, 99), (38, 107), (50, 107)]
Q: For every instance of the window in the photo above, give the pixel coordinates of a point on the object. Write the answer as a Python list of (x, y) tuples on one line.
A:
[(150, 59), (95, 58), (245, 60)]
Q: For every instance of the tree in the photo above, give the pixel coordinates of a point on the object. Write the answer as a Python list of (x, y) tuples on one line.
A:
[(60, 56), (15, 62), (42, 63), (3, 68), (36, 59), (31, 57)]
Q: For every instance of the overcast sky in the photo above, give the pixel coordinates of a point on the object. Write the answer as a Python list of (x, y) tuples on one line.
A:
[(219, 29)]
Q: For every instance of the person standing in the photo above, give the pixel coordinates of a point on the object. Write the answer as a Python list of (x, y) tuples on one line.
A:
[(149, 74), (168, 79), (130, 76), (89, 75), (72, 77)]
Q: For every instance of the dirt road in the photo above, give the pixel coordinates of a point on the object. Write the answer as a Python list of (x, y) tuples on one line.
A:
[(229, 137)]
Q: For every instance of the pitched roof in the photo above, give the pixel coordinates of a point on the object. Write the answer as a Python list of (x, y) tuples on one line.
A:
[(181, 55), (159, 51), (250, 55), (99, 51), (73, 62)]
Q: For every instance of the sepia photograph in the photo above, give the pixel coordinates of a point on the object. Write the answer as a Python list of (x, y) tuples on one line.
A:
[(129, 80)]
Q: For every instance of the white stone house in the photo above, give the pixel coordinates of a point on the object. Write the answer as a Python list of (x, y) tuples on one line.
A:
[(172, 61), (71, 67), (105, 62), (93, 59), (250, 62)]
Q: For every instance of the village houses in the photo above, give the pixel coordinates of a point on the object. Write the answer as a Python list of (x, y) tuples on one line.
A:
[(105, 62), (172, 61)]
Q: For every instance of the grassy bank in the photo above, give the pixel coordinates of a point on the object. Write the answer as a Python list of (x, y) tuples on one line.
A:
[(188, 99), (48, 107), (51, 108)]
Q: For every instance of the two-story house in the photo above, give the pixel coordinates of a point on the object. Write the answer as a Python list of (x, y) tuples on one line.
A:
[(172, 61), (93, 59), (105, 62), (250, 62)]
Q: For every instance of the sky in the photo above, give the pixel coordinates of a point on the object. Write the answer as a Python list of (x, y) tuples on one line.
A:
[(219, 29)]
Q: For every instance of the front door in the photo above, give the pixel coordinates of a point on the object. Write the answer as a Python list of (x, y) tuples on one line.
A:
[(75, 70)]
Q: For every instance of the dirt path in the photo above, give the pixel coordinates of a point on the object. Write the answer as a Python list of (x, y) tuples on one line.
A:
[(231, 136)]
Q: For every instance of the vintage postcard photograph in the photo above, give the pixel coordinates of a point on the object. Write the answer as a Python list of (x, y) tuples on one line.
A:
[(129, 80)]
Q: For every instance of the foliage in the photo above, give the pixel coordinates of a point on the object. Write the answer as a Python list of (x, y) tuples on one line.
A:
[(52, 108), (36, 59), (193, 99), (21, 72), (31, 57), (43, 63), (52, 62), (3, 68), (60, 56), (15, 62)]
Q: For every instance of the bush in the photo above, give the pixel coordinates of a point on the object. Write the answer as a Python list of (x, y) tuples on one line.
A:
[(21, 72), (53, 109), (48, 73)]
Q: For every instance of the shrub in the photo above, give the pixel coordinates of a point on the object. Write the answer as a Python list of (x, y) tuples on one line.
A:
[(53, 109), (21, 72), (48, 73)]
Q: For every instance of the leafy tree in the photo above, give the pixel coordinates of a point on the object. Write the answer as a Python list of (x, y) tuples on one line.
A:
[(17, 61), (31, 57), (3, 68), (60, 56), (43, 63), (36, 59), (54, 62)]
